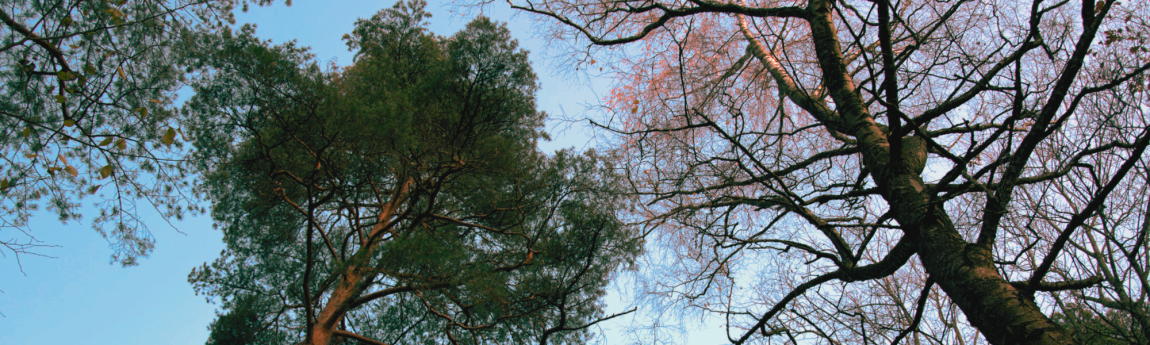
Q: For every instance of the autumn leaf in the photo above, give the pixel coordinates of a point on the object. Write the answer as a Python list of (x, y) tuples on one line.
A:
[(114, 12), (169, 137), (69, 123), (121, 144), (4, 184), (62, 159), (66, 75), (106, 171), (106, 141), (71, 171), (120, 71), (31, 155), (60, 98), (88, 68), (67, 21)]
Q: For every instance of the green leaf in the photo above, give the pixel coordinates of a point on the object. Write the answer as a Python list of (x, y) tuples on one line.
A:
[(88, 68), (69, 123), (106, 171), (121, 144), (4, 184), (106, 141), (67, 21), (61, 99)]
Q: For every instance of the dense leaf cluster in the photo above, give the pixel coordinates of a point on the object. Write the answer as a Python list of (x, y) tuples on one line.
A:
[(401, 199)]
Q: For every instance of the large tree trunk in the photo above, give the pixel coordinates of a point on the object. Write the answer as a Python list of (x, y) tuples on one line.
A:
[(965, 271)]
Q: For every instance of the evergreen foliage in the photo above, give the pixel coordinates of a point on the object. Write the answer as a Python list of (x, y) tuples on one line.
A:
[(401, 199)]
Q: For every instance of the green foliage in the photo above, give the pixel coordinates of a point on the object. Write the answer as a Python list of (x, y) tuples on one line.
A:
[(242, 325), (86, 109), (413, 174)]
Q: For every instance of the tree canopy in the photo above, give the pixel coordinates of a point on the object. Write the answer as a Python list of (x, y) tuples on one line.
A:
[(398, 200), (881, 172), (88, 88)]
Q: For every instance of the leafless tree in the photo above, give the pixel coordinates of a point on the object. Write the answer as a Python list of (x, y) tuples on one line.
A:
[(853, 172)]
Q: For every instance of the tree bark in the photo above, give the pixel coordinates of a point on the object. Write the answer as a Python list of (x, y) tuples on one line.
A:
[(964, 271)]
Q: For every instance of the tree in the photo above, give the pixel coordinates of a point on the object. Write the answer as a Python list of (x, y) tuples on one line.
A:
[(865, 172), (1089, 327), (399, 200), (87, 90)]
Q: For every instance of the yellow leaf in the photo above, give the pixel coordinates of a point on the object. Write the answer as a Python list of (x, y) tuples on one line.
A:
[(121, 144), (69, 123), (121, 72), (62, 159), (31, 155), (66, 75), (156, 101), (114, 12), (60, 98), (106, 171), (106, 141), (169, 137), (71, 171)]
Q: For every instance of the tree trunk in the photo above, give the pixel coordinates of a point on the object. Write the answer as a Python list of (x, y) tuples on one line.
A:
[(345, 292), (964, 271)]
